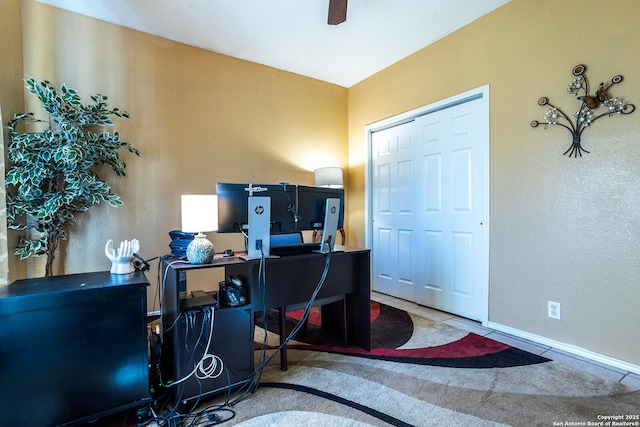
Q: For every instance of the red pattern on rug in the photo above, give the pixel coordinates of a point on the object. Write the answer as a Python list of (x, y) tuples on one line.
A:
[(472, 345), (391, 328)]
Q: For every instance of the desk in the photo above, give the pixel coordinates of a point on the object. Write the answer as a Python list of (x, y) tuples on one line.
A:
[(290, 280)]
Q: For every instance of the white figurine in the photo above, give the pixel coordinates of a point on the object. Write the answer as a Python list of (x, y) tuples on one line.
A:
[(121, 258)]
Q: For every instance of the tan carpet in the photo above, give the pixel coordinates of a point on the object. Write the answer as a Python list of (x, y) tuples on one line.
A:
[(326, 389)]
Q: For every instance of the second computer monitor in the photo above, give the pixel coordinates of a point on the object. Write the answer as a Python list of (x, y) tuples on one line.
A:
[(311, 206)]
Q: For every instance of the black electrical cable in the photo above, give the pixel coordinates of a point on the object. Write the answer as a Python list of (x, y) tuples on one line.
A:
[(307, 309), (255, 378), (249, 386), (291, 208)]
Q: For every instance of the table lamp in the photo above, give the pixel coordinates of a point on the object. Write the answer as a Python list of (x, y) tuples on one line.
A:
[(328, 177), (199, 214)]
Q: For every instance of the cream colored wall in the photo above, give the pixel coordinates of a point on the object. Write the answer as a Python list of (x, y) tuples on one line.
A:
[(561, 229), (197, 117), (11, 100)]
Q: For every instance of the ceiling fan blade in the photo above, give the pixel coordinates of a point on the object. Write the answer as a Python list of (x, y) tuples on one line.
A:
[(337, 12)]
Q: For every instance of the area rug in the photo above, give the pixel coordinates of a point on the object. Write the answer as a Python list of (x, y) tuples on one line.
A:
[(395, 338), (329, 386), (420, 373)]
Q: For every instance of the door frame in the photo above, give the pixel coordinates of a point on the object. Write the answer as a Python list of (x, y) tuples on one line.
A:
[(481, 92)]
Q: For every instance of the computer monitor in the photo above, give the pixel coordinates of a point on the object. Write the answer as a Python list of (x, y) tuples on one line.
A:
[(311, 206), (233, 202)]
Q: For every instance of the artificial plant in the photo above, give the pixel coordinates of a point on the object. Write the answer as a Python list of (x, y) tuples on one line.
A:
[(52, 175)]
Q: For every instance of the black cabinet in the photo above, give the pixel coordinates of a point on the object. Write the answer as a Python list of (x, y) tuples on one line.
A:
[(194, 327), (207, 370), (72, 348)]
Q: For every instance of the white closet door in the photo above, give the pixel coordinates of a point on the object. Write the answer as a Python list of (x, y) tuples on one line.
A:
[(428, 210), (394, 242)]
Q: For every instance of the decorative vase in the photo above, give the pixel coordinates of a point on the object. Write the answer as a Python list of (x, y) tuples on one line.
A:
[(200, 250)]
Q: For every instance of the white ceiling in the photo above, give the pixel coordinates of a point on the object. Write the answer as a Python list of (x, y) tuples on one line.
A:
[(293, 35)]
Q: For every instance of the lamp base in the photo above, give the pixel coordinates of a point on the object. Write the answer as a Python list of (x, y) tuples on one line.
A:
[(200, 250)]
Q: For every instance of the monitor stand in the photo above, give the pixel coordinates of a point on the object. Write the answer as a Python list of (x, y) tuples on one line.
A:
[(258, 243), (331, 216)]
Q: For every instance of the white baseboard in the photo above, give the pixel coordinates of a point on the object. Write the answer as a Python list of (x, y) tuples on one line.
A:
[(569, 348)]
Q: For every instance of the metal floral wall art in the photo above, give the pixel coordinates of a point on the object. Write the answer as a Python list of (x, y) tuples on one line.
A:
[(592, 107)]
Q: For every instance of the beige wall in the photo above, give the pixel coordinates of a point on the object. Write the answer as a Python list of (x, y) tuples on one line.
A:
[(196, 116), (11, 100), (561, 229)]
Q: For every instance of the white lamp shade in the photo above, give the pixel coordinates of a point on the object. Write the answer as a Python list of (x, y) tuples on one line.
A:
[(329, 177), (199, 213)]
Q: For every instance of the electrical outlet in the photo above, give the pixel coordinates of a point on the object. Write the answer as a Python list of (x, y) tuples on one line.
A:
[(554, 310)]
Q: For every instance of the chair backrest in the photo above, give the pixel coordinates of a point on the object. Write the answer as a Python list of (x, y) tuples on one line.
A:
[(286, 239)]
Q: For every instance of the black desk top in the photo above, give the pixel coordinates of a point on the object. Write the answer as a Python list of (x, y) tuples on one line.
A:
[(222, 261)]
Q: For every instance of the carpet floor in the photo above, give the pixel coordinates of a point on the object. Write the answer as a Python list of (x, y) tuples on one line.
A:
[(425, 373), (419, 373)]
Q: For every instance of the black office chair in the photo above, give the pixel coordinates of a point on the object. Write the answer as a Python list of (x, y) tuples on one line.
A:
[(292, 239)]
